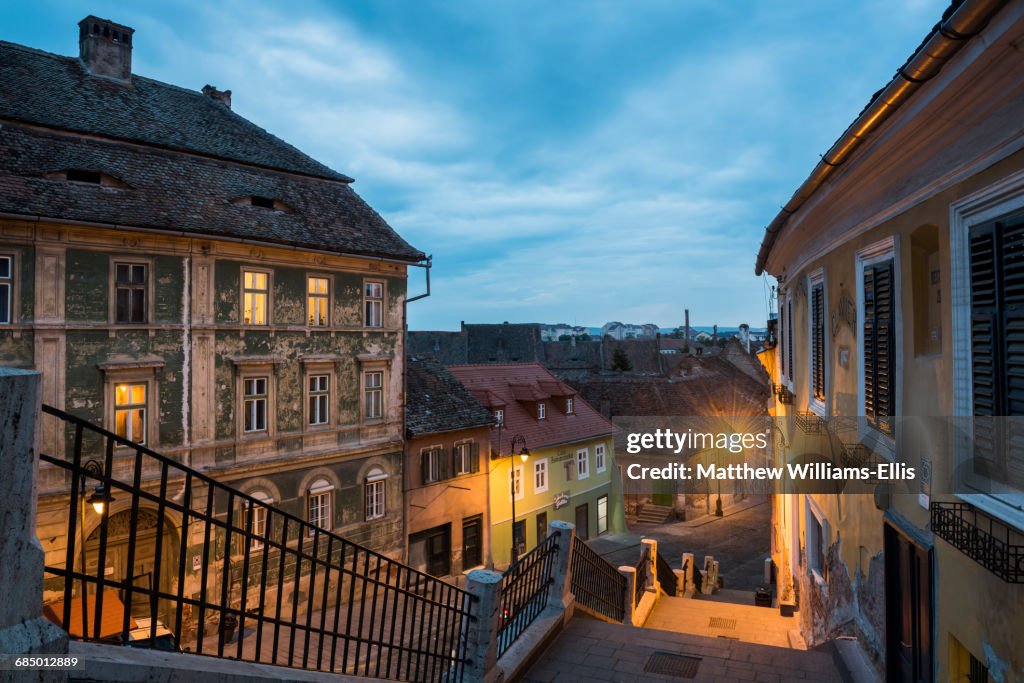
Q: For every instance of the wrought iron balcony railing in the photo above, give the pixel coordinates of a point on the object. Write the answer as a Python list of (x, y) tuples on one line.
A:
[(810, 423), (989, 542)]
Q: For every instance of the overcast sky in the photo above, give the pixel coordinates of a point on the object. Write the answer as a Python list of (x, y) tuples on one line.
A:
[(562, 161)]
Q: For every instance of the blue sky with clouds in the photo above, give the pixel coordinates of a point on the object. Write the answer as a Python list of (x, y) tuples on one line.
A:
[(576, 161)]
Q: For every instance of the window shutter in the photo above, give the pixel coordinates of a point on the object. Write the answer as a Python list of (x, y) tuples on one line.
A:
[(879, 343), (818, 340), (474, 457), (789, 337), (425, 466)]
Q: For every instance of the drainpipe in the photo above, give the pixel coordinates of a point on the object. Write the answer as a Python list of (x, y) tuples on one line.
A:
[(945, 41), (405, 388)]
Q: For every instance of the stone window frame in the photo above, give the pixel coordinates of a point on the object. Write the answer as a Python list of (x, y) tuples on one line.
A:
[(547, 475), (269, 272), (13, 309), (816, 544), (142, 373), (366, 366), (249, 369), (325, 491), (330, 300), (584, 471), (135, 260), (312, 368), (383, 300)]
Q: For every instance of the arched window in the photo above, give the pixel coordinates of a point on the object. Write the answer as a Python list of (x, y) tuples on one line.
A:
[(321, 494), (259, 518), (373, 493)]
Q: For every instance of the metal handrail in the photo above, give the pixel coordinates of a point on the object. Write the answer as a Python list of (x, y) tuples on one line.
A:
[(524, 590), (643, 573), (666, 577), (595, 583), (305, 597)]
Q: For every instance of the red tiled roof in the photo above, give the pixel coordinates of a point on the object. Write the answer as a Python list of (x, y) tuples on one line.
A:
[(555, 388), (556, 428)]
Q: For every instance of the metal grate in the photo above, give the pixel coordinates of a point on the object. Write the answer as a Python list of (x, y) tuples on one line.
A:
[(992, 544), (721, 622), (669, 664)]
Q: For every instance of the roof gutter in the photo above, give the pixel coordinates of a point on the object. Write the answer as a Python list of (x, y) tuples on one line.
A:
[(945, 41)]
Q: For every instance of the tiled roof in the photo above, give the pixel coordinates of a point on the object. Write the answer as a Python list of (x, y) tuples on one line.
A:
[(184, 158), (437, 402), (57, 92), (172, 191), (557, 427)]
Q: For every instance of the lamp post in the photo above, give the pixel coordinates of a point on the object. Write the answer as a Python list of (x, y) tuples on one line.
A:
[(518, 448), (99, 499)]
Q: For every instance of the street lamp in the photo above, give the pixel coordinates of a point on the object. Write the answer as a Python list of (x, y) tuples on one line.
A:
[(518, 448), (99, 499)]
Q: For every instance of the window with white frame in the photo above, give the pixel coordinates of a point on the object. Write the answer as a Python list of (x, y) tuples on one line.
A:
[(433, 464), (6, 289), (583, 463), (987, 263), (542, 410), (540, 476), (599, 462), (320, 496), (130, 410), (254, 404), (318, 296), (569, 406), (817, 341), (373, 299), (466, 456), (515, 482), (499, 416), (255, 297), (373, 394), (374, 494), (879, 338), (319, 399)]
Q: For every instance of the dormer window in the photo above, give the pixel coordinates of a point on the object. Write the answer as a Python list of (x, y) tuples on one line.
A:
[(261, 202), (86, 177), (569, 406), (541, 411), (499, 416)]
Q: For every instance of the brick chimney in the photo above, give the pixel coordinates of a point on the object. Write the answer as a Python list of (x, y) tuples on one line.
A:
[(105, 48), (221, 96)]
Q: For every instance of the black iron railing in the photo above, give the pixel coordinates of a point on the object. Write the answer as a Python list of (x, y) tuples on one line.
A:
[(595, 583), (992, 544), (643, 575), (524, 590), (231, 576), (666, 577), (810, 422)]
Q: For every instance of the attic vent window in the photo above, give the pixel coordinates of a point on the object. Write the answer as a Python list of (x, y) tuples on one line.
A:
[(94, 177), (263, 202)]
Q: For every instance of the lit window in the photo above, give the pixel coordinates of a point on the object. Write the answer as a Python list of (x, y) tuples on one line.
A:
[(602, 515), (599, 457), (582, 463), (374, 494), (320, 494), (373, 394), (466, 457), (316, 302), (569, 408), (130, 290), (130, 412), (373, 296), (542, 410), (255, 291), (540, 476), (319, 395), (6, 285), (254, 404)]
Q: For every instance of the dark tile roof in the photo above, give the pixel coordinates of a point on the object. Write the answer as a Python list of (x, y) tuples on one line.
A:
[(183, 157), (171, 191), (57, 92), (557, 427), (437, 402)]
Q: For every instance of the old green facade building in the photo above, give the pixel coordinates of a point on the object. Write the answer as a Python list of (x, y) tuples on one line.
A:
[(187, 280)]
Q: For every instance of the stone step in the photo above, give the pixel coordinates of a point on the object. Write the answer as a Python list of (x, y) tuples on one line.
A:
[(655, 514)]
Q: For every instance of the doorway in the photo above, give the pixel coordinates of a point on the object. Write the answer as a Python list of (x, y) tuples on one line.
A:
[(582, 519), (908, 608), (431, 550)]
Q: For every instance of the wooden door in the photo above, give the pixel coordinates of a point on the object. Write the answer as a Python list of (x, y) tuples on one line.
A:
[(908, 608)]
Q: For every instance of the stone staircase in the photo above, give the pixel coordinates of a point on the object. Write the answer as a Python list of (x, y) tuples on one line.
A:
[(655, 514)]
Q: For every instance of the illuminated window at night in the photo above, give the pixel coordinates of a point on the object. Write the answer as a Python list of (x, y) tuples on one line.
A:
[(130, 412), (318, 296), (255, 293)]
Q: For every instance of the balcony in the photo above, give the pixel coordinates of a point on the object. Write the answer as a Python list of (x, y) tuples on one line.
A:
[(810, 423), (989, 542)]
